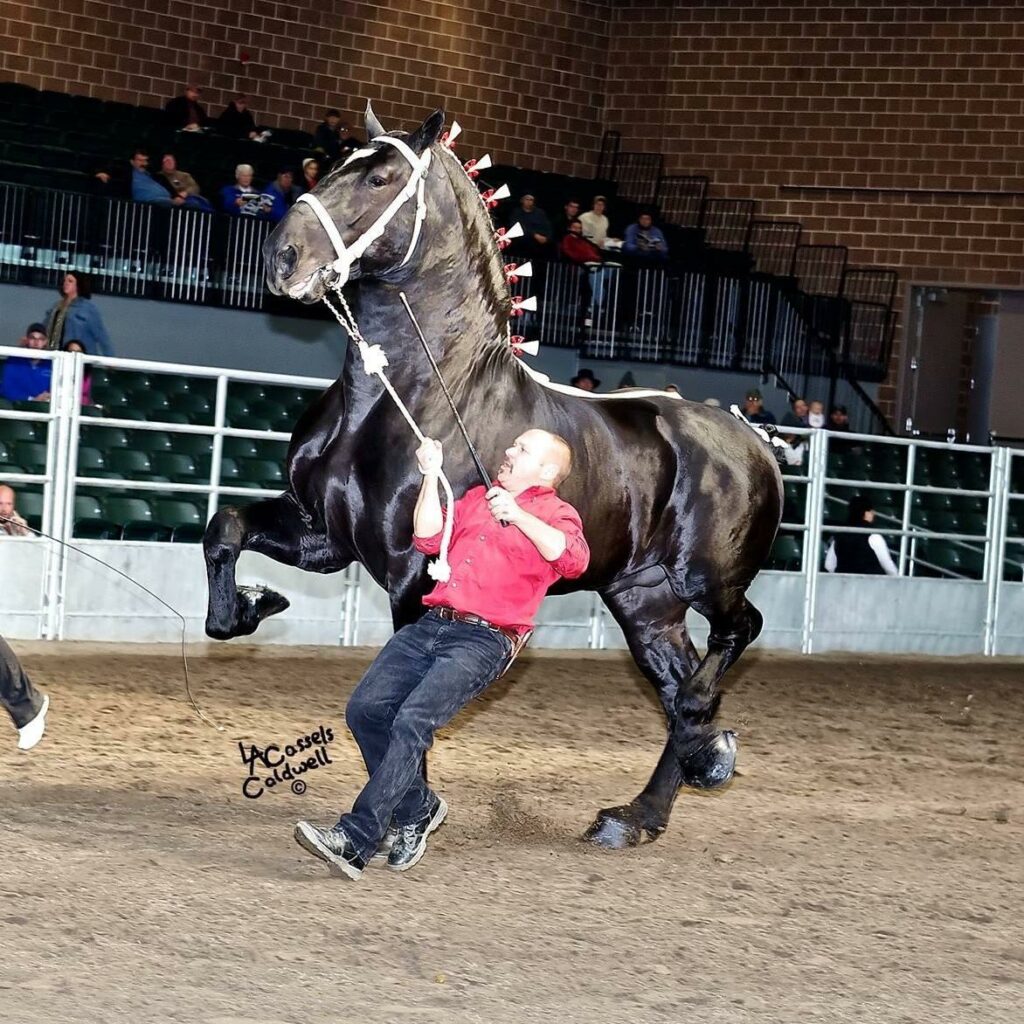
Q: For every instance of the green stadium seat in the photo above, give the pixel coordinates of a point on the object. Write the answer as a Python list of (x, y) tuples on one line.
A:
[(90, 461), (119, 509), (31, 455), (974, 523), (179, 513), (146, 531), (198, 408), (21, 430), (175, 466), (30, 505), (957, 559), (262, 472), (274, 412), (241, 448), (97, 529), (786, 553), (153, 403), (109, 396), (236, 409), (943, 521), (130, 463), (104, 438), (87, 506), (277, 451), (193, 444), (250, 422), (151, 441)]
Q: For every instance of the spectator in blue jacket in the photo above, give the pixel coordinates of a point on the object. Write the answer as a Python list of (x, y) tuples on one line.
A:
[(644, 241), (145, 188), (243, 198), (77, 316), (280, 191), (26, 379)]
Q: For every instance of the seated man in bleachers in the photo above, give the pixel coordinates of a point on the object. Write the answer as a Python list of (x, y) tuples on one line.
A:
[(11, 523), (185, 112), (595, 223), (537, 230), (570, 212), (237, 121), (328, 135), (243, 199), (26, 379), (145, 188), (644, 241), (180, 185)]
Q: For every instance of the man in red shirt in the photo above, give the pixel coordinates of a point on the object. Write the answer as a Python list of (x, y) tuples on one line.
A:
[(475, 623)]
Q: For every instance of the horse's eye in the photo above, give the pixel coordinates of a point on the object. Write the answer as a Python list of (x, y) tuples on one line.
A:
[(376, 181)]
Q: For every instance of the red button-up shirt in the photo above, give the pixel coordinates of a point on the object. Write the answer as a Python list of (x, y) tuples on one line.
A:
[(497, 572)]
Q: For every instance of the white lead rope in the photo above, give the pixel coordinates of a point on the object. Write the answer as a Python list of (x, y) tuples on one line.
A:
[(374, 361)]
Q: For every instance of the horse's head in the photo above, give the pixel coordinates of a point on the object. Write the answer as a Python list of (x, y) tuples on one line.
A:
[(363, 219)]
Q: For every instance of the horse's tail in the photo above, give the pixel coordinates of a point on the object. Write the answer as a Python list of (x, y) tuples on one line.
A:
[(768, 433)]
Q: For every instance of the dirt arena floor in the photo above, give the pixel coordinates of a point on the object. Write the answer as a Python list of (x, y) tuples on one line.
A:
[(867, 866)]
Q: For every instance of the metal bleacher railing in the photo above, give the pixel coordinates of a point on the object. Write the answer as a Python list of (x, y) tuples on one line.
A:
[(169, 443)]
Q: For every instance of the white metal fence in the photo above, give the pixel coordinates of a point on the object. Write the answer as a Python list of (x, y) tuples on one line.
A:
[(952, 516)]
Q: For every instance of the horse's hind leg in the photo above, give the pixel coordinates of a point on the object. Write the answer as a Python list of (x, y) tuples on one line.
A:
[(276, 528), (707, 756), (653, 621)]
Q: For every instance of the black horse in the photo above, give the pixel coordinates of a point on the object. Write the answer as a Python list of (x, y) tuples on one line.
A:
[(680, 502)]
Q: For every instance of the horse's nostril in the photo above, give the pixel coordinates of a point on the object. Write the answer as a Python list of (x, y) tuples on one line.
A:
[(286, 260)]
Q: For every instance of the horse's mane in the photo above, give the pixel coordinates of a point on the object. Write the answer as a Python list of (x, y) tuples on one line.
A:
[(485, 255)]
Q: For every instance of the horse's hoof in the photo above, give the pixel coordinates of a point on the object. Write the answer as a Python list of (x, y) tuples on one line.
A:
[(618, 828), (258, 603), (709, 761)]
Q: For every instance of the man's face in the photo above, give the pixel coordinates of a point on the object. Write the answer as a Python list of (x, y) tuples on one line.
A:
[(752, 403), (241, 103), (529, 461), (34, 340), (244, 178), (168, 165), (839, 417), (800, 408), (585, 384), (527, 203), (140, 161), (599, 206), (191, 93), (572, 210), (576, 229), (6, 502), (332, 121), (644, 220), (284, 180)]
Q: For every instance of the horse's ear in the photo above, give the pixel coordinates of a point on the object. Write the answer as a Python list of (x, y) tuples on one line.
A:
[(427, 133), (373, 126)]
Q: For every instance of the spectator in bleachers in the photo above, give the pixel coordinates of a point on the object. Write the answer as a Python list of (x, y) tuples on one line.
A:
[(145, 188), (839, 419), (76, 346), (282, 194), (585, 380), (796, 417), (310, 177), (11, 523), (26, 379), (237, 122), (575, 248), (816, 414), (754, 410), (328, 136), (537, 231), (644, 241), (862, 553), (177, 181), (186, 112), (672, 389), (595, 223), (77, 316), (243, 198), (570, 212)]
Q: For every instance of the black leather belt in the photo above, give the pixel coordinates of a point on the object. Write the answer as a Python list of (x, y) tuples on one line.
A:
[(475, 620)]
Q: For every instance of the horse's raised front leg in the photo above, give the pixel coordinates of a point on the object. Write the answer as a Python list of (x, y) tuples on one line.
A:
[(276, 528), (653, 621)]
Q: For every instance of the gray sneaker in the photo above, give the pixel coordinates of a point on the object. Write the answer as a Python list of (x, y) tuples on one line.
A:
[(380, 858), (331, 845), (411, 841)]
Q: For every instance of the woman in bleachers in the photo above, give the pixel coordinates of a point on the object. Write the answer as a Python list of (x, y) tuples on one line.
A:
[(77, 316), (76, 346)]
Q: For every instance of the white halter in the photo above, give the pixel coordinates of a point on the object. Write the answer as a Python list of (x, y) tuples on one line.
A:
[(342, 266)]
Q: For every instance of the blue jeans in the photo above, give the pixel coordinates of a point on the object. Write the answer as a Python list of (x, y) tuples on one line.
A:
[(425, 674)]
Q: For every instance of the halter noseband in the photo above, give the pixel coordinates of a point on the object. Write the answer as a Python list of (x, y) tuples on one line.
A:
[(342, 266)]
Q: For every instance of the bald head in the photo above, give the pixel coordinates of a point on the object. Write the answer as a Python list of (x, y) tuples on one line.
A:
[(6, 501), (537, 458)]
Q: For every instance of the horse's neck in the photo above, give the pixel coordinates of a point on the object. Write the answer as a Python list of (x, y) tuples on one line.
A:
[(464, 333)]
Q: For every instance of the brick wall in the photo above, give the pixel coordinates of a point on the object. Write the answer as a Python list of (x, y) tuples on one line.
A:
[(525, 79), (761, 96)]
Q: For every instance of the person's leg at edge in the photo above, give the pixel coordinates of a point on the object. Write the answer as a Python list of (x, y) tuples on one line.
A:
[(22, 701)]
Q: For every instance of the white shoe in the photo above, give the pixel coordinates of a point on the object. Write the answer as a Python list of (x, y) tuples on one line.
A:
[(29, 735)]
